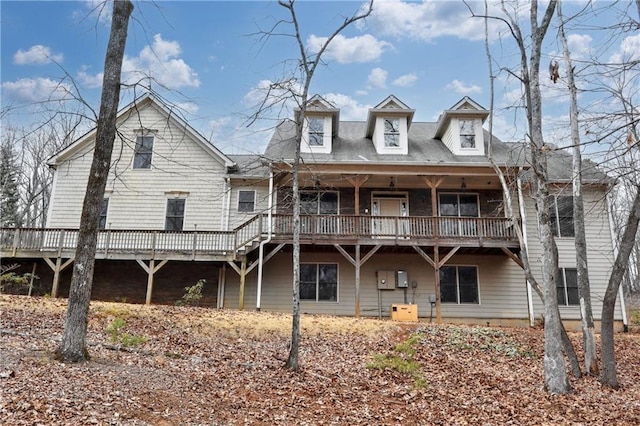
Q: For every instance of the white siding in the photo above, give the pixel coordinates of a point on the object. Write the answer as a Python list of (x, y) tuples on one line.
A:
[(599, 252), (138, 197), (501, 285), (237, 218)]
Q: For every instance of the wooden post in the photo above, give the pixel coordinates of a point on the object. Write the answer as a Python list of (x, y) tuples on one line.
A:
[(151, 270), (436, 261), (357, 265), (243, 273), (152, 264), (57, 268), (33, 274)]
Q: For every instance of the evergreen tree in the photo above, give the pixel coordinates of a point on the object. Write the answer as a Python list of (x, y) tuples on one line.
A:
[(9, 191)]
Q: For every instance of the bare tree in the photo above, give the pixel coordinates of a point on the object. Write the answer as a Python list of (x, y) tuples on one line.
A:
[(555, 376), (584, 287), (297, 88), (73, 345)]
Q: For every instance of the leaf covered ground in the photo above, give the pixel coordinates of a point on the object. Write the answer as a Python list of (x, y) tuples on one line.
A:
[(192, 366)]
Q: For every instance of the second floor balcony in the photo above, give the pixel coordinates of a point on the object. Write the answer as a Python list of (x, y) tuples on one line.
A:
[(227, 245)]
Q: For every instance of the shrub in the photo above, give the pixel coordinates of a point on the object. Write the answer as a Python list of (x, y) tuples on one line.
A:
[(193, 294)]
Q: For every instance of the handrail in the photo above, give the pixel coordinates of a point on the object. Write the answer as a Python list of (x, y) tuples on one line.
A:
[(312, 226)]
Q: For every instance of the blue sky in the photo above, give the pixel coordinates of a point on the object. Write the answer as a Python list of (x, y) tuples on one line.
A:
[(207, 57)]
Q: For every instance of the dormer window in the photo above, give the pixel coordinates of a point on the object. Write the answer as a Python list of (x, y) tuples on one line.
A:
[(391, 132), (460, 128), (467, 134), (316, 131), (388, 126)]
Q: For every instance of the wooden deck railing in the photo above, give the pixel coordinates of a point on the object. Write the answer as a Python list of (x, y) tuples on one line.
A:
[(349, 227), (335, 227)]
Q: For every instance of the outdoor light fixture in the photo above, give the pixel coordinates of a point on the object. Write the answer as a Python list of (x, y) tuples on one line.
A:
[(392, 184), (463, 186)]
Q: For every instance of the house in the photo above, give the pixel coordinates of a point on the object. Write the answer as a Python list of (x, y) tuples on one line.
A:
[(394, 212)]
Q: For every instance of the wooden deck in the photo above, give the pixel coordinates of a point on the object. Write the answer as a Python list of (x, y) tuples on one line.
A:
[(229, 245)]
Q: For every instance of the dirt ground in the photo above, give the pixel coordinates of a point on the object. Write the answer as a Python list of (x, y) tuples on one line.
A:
[(201, 366)]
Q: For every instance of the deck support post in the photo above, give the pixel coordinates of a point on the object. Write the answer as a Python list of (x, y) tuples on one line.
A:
[(151, 270), (57, 268), (357, 263), (436, 261), (243, 279)]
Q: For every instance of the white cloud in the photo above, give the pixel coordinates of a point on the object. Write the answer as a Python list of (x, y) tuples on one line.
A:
[(275, 99), (377, 78), (161, 63), (37, 54), (579, 45), (427, 20), (462, 88), (345, 50), (406, 80), (188, 107), (350, 109), (628, 51), (92, 81), (36, 90)]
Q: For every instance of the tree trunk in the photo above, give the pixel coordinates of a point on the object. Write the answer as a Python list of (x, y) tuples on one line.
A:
[(292, 361), (584, 287), (73, 345), (609, 376), (555, 374)]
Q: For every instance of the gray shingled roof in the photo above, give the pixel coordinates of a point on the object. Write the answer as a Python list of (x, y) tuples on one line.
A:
[(351, 146)]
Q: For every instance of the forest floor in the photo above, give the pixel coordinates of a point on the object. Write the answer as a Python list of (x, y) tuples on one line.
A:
[(197, 366)]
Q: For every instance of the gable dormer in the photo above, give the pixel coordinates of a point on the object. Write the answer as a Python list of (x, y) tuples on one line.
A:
[(388, 126), (460, 128), (319, 126)]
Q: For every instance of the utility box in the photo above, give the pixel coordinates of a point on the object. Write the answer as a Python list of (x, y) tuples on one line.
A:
[(386, 280), (404, 312), (403, 279)]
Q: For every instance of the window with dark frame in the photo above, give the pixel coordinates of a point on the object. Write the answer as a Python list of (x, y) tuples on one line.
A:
[(459, 284), (391, 132), (175, 214), (246, 201), (319, 202), (319, 282), (467, 134), (143, 152), (567, 287), (561, 212), (102, 223), (316, 131)]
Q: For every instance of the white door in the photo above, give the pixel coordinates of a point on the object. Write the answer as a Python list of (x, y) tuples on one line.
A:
[(390, 210)]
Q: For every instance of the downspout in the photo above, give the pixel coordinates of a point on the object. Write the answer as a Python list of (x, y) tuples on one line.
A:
[(614, 244), (226, 203), (265, 242), (526, 246)]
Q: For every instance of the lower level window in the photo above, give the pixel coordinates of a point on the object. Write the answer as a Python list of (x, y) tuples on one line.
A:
[(459, 284), (175, 214), (567, 287), (319, 282)]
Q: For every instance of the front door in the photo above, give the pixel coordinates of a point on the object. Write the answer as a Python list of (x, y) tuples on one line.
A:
[(390, 210)]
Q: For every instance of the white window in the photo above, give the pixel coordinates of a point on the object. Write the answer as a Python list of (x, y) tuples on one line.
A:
[(316, 131), (246, 201), (319, 282), (467, 134), (561, 212), (567, 287), (174, 219), (391, 132), (102, 223), (143, 152), (459, 284)]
